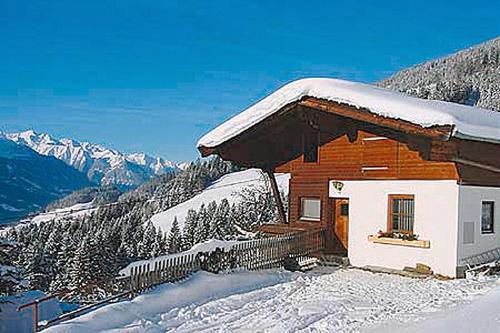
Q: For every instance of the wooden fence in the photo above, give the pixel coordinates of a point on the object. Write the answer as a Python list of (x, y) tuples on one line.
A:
[(265, 253), (149, 275)]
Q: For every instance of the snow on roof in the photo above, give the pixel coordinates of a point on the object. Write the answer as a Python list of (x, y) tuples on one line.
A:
[(469, 122)]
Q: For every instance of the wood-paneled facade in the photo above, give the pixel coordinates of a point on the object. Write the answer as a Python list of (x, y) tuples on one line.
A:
[(369, 157)]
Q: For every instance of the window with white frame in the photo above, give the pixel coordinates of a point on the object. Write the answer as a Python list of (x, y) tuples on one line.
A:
[(487, 217), (310, 209)]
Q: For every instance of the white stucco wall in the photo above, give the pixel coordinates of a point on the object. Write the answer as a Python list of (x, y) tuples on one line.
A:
[(470, 198), (436, 216)]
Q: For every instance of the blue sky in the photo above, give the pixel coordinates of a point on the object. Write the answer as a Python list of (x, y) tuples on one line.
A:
[(154, 76)]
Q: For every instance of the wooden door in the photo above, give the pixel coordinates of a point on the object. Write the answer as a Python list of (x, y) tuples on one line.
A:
[(341, 215)]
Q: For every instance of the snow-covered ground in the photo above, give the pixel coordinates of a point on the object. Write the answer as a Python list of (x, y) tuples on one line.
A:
[(481, 315), (73, 212), (76, 211), (347, 300), (226, 187)]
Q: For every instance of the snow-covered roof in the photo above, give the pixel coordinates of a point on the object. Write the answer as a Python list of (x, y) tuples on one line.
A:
[(467, 121)]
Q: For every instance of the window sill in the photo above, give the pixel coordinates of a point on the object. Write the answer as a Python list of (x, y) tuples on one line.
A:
[(305, 219), (425, 244)]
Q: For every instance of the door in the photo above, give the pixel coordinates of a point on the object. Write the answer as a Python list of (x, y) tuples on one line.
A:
[(341, 223)]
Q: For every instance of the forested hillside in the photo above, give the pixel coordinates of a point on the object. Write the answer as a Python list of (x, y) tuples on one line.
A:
[(60, 254), (470, 77), (98, 195)]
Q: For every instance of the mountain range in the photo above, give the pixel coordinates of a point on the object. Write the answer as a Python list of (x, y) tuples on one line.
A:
[(29, 181), (101, 165)]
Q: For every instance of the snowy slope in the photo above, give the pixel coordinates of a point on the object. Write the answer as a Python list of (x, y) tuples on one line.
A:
[(469, 121), (223, 188), (75, 211), (328, 301), (101, 165), (71, 213), (127, 316)]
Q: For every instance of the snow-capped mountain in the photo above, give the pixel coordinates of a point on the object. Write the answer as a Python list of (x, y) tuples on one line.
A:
[(29, 180), (157, 164), (102, 165)]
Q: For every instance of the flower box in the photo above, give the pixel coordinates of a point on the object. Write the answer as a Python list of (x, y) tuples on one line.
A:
[(425, 244)]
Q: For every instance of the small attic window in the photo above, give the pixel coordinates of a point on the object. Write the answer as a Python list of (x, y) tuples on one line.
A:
[(311, 144)]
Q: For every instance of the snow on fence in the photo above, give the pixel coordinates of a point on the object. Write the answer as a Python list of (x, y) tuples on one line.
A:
[(148, 275), (265, 253)]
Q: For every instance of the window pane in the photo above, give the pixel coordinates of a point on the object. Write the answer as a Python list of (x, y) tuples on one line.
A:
[(344, 209), (311, 208), (402, 218), (487, 211), (395, 206), (395, 222)]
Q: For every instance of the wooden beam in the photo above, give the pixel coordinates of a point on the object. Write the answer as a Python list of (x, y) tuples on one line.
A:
[(277, 196), (364, 115)]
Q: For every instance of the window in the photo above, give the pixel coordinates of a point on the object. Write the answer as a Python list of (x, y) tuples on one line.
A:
[(310, 209), (401, 213), (311, 144), (487, 217), (344, 209)]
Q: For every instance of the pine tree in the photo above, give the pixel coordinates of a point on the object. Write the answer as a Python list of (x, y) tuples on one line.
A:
[(85, 266), (221, 224), (11, 278), (174, 237), (189, 229), (145, 249), (34, 266), (202, 225), (64, 259), (51, 250)]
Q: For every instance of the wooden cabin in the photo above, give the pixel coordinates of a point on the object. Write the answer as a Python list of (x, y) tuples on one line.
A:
[(367, 163)]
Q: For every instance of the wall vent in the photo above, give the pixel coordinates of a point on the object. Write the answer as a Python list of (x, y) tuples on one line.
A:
[(468, 232)]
